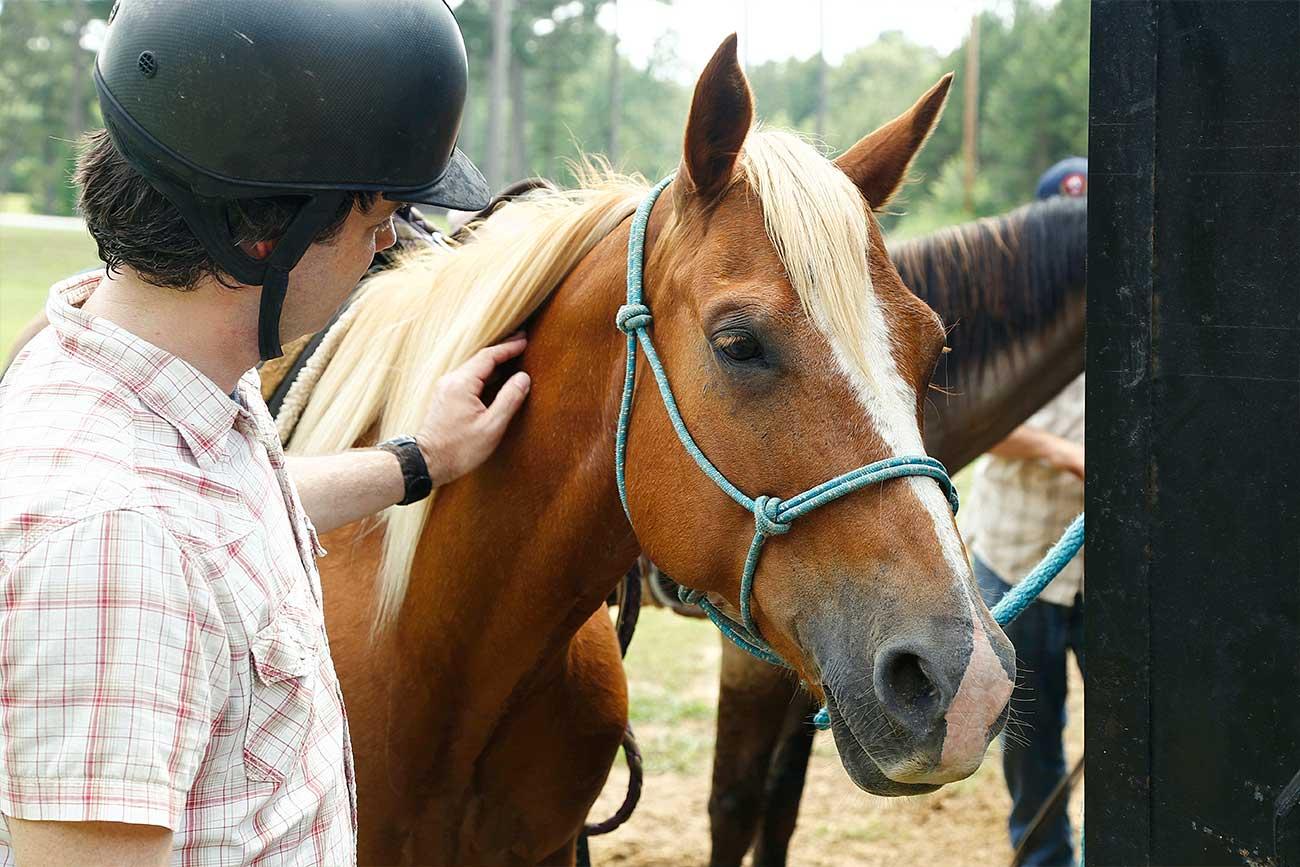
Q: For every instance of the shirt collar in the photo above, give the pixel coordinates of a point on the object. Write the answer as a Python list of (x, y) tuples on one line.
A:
[(172, 388)]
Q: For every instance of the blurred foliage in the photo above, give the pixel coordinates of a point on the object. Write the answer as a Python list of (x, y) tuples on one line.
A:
[(47, 98), (1032, 101)]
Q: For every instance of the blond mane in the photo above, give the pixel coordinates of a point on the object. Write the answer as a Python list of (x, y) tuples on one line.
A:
[(432, 311), (817, 221)]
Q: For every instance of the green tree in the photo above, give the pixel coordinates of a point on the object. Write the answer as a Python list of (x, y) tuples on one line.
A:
[(1038, 106), (46, 96), (1033, 111), (1033, 98)]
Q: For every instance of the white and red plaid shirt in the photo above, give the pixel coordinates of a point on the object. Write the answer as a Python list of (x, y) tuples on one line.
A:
[(162, 648)]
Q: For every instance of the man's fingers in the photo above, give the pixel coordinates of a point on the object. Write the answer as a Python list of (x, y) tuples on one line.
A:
[(482, 363), (508, 400)]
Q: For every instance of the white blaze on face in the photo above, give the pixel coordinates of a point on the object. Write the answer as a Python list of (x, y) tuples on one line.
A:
[(889, 402)]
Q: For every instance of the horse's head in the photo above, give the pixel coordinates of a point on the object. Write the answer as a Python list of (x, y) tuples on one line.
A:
[(796, 354)]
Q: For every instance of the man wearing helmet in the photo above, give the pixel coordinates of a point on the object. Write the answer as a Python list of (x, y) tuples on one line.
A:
[(166, 688)]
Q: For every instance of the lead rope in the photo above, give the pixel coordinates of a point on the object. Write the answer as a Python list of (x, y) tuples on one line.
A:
[(629, 609), (1017, 599)]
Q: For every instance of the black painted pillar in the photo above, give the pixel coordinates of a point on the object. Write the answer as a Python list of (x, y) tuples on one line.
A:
[(1193, 569)]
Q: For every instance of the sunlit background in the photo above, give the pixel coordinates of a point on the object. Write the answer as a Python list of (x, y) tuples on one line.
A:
[(551, 80), (614, 77)]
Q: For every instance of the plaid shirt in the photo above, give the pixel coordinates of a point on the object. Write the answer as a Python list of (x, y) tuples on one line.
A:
[(162, 646), (1020, 508)]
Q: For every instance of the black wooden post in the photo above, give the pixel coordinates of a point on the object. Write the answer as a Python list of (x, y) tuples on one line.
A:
[(1193, 557)]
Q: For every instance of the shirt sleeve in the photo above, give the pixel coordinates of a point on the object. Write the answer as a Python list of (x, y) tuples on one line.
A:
[(114, 664)]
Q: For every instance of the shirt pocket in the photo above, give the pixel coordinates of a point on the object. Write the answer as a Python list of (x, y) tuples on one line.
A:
[(286, 662)]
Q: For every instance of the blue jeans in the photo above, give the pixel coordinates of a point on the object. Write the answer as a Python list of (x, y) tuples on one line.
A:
[(1041, 635)]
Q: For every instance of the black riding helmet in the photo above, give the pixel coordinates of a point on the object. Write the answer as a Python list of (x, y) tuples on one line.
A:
[(213, 100)]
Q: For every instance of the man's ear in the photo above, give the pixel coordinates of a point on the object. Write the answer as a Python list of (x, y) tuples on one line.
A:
[(878, 163), (257, 249)]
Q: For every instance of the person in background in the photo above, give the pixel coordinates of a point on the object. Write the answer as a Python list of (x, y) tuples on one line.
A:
[(1069, 177), (1025, 493)]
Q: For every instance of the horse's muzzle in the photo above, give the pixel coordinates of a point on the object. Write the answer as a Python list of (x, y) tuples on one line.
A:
[(923, 706)]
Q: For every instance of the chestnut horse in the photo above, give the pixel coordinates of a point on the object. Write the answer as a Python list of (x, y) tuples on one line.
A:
[(1013, 289), (485, 691)]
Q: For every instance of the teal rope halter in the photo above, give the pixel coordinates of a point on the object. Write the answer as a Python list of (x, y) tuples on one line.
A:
[(772, 515)]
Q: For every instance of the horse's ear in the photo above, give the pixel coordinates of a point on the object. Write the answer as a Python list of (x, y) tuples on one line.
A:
[(721, 113), (878, 163)]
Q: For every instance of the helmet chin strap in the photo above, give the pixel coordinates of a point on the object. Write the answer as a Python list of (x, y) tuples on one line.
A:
[(274, 287), (289, 250), (206, 217)]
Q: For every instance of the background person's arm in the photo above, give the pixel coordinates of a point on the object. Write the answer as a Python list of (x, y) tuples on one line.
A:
[(1027, 443), (89, 844)]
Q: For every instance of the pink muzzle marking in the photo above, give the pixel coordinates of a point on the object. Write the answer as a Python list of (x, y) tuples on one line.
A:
[(980, 698)]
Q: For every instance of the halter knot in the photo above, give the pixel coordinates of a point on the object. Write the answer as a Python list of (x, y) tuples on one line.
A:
[(632, 317), (765, 516)]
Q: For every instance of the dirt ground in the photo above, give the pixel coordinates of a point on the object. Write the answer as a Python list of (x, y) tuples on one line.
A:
[(672, 671)]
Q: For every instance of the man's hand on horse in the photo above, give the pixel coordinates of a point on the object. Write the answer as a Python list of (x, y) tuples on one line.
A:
[(460, 430)]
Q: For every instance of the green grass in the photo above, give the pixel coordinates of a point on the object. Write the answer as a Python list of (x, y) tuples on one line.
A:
[(15, 203), (672, 677), (31, 260)]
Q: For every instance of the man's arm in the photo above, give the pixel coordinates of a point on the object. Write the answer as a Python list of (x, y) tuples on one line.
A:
[(1027, 443), (107, 731), (458, 433), (57, 844), (338, 489)]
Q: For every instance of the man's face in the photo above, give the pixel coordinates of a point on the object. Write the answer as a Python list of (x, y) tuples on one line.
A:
[(329, 271)]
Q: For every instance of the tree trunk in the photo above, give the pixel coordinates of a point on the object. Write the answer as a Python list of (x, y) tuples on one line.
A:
[(80, 68), (518, 122), (970, 125), (549, 121), (615, 94), (495, 162), (821, 70)]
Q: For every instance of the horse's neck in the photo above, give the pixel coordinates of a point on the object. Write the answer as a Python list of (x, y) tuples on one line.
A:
[(984, 399), (518, 554), (986, 402)]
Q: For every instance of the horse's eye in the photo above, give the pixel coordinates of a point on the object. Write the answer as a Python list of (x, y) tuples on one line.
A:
[(739, 346)]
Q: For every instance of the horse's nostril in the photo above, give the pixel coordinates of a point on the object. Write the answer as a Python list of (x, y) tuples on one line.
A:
[(906, 691), (911, 685)]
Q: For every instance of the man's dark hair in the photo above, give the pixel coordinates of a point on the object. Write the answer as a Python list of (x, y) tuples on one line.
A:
[(136, 226)]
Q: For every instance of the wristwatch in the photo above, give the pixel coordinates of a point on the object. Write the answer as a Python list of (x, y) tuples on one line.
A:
[(415, 472)]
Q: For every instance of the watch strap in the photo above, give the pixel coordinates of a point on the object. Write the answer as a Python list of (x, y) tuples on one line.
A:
[(415, 472)]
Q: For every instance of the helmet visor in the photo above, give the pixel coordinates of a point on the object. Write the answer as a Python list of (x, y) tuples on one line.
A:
[(461, 187)]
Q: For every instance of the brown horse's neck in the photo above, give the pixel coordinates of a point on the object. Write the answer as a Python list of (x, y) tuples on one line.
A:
[(517, 555), (983, 403), (1013, 289)]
